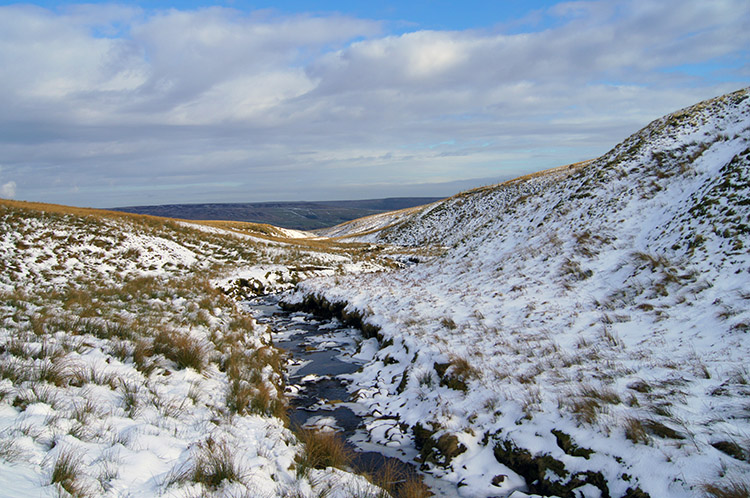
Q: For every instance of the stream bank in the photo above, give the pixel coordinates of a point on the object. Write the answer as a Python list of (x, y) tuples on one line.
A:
[(467, 463), (324, 354)]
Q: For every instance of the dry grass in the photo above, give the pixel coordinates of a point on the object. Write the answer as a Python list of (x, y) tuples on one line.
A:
[(635, 431), (249, 390), (733, 488), (143, 352), (585, 410), (56, 372), (82, 375), (660, 430), (131, 401), (601, 393), (13, 369), (211, 464), (456, 373), (388, 477), (732, 449), (11, 451), (321, 450), (588, 402), (214, 463), (398, 481), (66, 474), (413, 487), (38, 393), (184, 350)]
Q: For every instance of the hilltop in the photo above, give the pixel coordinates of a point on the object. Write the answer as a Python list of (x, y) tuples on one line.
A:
[(586, 328)]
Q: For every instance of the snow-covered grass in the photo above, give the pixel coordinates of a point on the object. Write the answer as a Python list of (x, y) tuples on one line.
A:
[(582, 332), (587, 328), (125, 371)]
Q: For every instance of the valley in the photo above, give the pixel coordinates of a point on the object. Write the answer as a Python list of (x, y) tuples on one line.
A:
[(580, 332)]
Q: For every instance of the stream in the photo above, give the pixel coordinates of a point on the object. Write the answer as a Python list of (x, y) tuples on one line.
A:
[(323, 353)]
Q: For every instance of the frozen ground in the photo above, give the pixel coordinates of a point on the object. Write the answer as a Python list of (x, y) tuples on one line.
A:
[(596, 317), (125, 372), (582, 332)]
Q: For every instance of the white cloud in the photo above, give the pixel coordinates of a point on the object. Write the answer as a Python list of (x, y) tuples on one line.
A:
[(8, 190)]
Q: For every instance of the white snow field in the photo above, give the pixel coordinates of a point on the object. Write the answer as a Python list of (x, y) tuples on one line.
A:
[(585, 328), (124, 371)]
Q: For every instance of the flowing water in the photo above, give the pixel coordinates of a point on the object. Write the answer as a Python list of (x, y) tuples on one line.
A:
[(322, 354)]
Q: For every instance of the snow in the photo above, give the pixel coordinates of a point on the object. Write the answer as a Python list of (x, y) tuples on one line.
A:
[(563, 292), (81, 293), (595, 315)]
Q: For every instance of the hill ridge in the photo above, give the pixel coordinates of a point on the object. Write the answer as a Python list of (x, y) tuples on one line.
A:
[(609, 305)]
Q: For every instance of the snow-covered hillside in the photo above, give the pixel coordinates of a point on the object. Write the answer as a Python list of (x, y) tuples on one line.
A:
[(124, 371), (586, 328), (581, 332)]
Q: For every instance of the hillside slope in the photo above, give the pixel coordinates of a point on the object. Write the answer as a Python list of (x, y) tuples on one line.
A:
[(432, 223), (587, 329), (125, 371)]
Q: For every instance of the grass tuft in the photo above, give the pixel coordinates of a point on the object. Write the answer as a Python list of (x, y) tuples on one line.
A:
[(181, 348), (215, 463), (635, 431), (211, 464), (10, 450), (66, 474), (658, 429), (732, 489), (321, 450), (413, 487)]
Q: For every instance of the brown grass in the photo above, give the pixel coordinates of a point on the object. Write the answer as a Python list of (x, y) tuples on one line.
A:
[(602, 393), (733, 488), (658, 429), (214, 463), (388, 476), (396, 481), (413, 487), (586, 410), (635, 431), (184, 350), (321, 450), (589, 401), (143, 353), (66, 473)]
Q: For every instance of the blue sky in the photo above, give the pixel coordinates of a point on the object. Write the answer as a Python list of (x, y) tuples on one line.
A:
[(400, 16), (114, 104)]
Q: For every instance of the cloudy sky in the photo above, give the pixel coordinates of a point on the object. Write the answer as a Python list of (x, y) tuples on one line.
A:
[(158, 102)]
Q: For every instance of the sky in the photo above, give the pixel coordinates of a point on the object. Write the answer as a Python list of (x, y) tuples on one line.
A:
[(164, 102)]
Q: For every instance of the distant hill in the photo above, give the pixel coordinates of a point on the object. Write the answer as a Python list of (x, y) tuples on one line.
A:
[(294, 215)]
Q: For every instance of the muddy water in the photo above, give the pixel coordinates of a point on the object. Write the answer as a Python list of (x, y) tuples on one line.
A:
[(322, 355)]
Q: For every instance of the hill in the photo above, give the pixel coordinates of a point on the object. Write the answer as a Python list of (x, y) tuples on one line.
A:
[(124, 370), (586, 328), (292, 215)]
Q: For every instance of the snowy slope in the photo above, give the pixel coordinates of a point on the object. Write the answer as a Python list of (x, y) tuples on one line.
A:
[(447, 221), (607, 304), (124, 371), (362, 227)]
